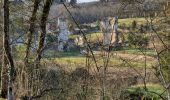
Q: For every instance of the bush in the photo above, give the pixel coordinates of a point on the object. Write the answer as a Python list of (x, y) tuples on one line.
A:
[(51, 39), (20, 51), (80, 73), (138, 40), (134, 25)]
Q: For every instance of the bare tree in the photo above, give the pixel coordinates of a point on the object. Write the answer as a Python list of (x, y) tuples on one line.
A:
[(44, 18), (8, 63), (31, 29)]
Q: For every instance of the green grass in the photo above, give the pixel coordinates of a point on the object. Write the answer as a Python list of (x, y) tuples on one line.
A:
[(73, 36), (128, 21), (91, 37), (75, 59), (67, 62), (153, 91), (138, 52), (94, 37), (151, 87), (54, 53), (80, 61)]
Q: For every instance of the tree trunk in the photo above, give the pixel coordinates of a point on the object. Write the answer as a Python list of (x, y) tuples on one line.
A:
[(31, 30), (4, 77), (8, 64), (44, 18)]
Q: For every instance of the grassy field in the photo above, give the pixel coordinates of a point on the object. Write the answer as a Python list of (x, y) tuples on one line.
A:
[(128, 21), (74, 59), (92, 37), (136, 51)]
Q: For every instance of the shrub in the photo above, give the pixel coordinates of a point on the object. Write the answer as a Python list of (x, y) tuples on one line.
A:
[(51, 39), (138, 40), (80, 73), (20, 51), (134, 25)]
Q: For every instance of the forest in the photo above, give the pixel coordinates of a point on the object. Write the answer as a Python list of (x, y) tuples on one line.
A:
[(100, 50)]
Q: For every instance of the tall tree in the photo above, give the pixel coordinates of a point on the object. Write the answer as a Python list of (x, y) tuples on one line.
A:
[(31, 29), (44, 18), (8, 63)]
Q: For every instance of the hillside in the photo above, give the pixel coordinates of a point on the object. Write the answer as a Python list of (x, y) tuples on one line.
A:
[(92, 11)]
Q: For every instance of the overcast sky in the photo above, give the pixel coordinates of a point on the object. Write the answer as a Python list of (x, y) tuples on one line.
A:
[(80, 1)]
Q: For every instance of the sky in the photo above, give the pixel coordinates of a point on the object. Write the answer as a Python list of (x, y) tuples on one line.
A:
[(80, 1)]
